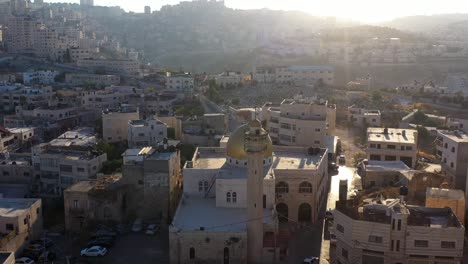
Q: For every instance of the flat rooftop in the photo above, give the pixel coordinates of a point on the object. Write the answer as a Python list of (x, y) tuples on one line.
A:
[(378, 211), (82, 137), (456, 136), (11, 207), (391, 135), (195, 213), (103, 183), (377, 165), (17, 130)]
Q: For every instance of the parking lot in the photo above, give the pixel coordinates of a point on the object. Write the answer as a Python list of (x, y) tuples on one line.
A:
[(128, 248)]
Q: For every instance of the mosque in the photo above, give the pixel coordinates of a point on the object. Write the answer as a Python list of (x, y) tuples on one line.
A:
[(240, 199)]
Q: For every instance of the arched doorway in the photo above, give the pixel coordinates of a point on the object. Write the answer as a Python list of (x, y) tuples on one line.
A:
[(226, 256), (304, 213), (282, 210)]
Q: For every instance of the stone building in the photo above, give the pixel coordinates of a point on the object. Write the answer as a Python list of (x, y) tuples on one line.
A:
[(441, 198), (146, 132), (115, 123), (228, 190), (95, 201)]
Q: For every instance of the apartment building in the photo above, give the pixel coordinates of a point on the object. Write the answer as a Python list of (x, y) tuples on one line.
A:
[(19, 36), (115, 123), (361, 117), (457, 123), (7, 140), (25, 96), (51, 112), (94, 201), (17, 168), (66, 160), (122, 67), (102, 99), (305, 74), (147, 132), (22, 221), (264, 75), (229, 78), (389, 231), (452, 150), (180, 83), (40, 77), (93, 79), (392, 144), (156, 175), (302, 121)]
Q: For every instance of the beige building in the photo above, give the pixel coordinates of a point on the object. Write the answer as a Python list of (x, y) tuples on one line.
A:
[(452, 150), (95, 79), (94, 201), (389, 231), (115, 123), (103, 99), (180, 83), (20, 222), (363, 117), (66, 160), (376, 173), (17, 169), (301, 121), (392, 144), (25, 95), (123, 67), (7, 140), (248, 179), (305, 75), (157, 179), (147, 132)]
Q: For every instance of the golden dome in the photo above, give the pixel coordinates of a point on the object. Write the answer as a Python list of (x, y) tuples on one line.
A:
[(235, 145)]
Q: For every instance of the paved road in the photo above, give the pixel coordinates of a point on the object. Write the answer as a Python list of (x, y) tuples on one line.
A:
[(354, 182)]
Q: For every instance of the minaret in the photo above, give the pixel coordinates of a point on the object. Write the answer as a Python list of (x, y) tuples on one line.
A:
[(256, 142)]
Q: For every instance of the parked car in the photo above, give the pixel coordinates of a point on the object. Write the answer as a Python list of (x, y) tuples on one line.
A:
[(101, 241), (46, 242), (342, 159), (96, 251), (33, 251), (24, 260), (105, 233), (332, 166), (46, 257), (137, 225), (152, 229), (329, 214), (311, 260)]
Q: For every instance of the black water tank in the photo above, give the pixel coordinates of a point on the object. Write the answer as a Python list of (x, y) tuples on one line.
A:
[(403, 190)]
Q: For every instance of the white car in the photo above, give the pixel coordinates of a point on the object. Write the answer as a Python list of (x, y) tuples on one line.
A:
[(311, 260), (137, 225), (24, 260), (152, 229), (95, 251)]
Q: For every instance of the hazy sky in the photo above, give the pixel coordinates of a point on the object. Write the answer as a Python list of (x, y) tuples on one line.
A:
[(361, 10)]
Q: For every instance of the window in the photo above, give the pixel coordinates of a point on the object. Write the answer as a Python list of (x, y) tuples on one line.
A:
[(75, 204), (38, 211), (451, 164), (447, 244), (344, 253), (228, 197), (453, 149), (6, 173), (445, 145), (409, 148), (399, 224), (375, 239), (317, 142), (372, 145), (80, 169), (282, 187), (421, 243), (391, 146), (398, 245), (192, 253), (234, 197), (10, 227), (317, 130), (378, 146), (393, 224), (392, 245), (305, 187), (340, 228), (66, 168)]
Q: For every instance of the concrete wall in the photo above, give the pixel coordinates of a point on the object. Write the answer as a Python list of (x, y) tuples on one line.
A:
[(209, 247)]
